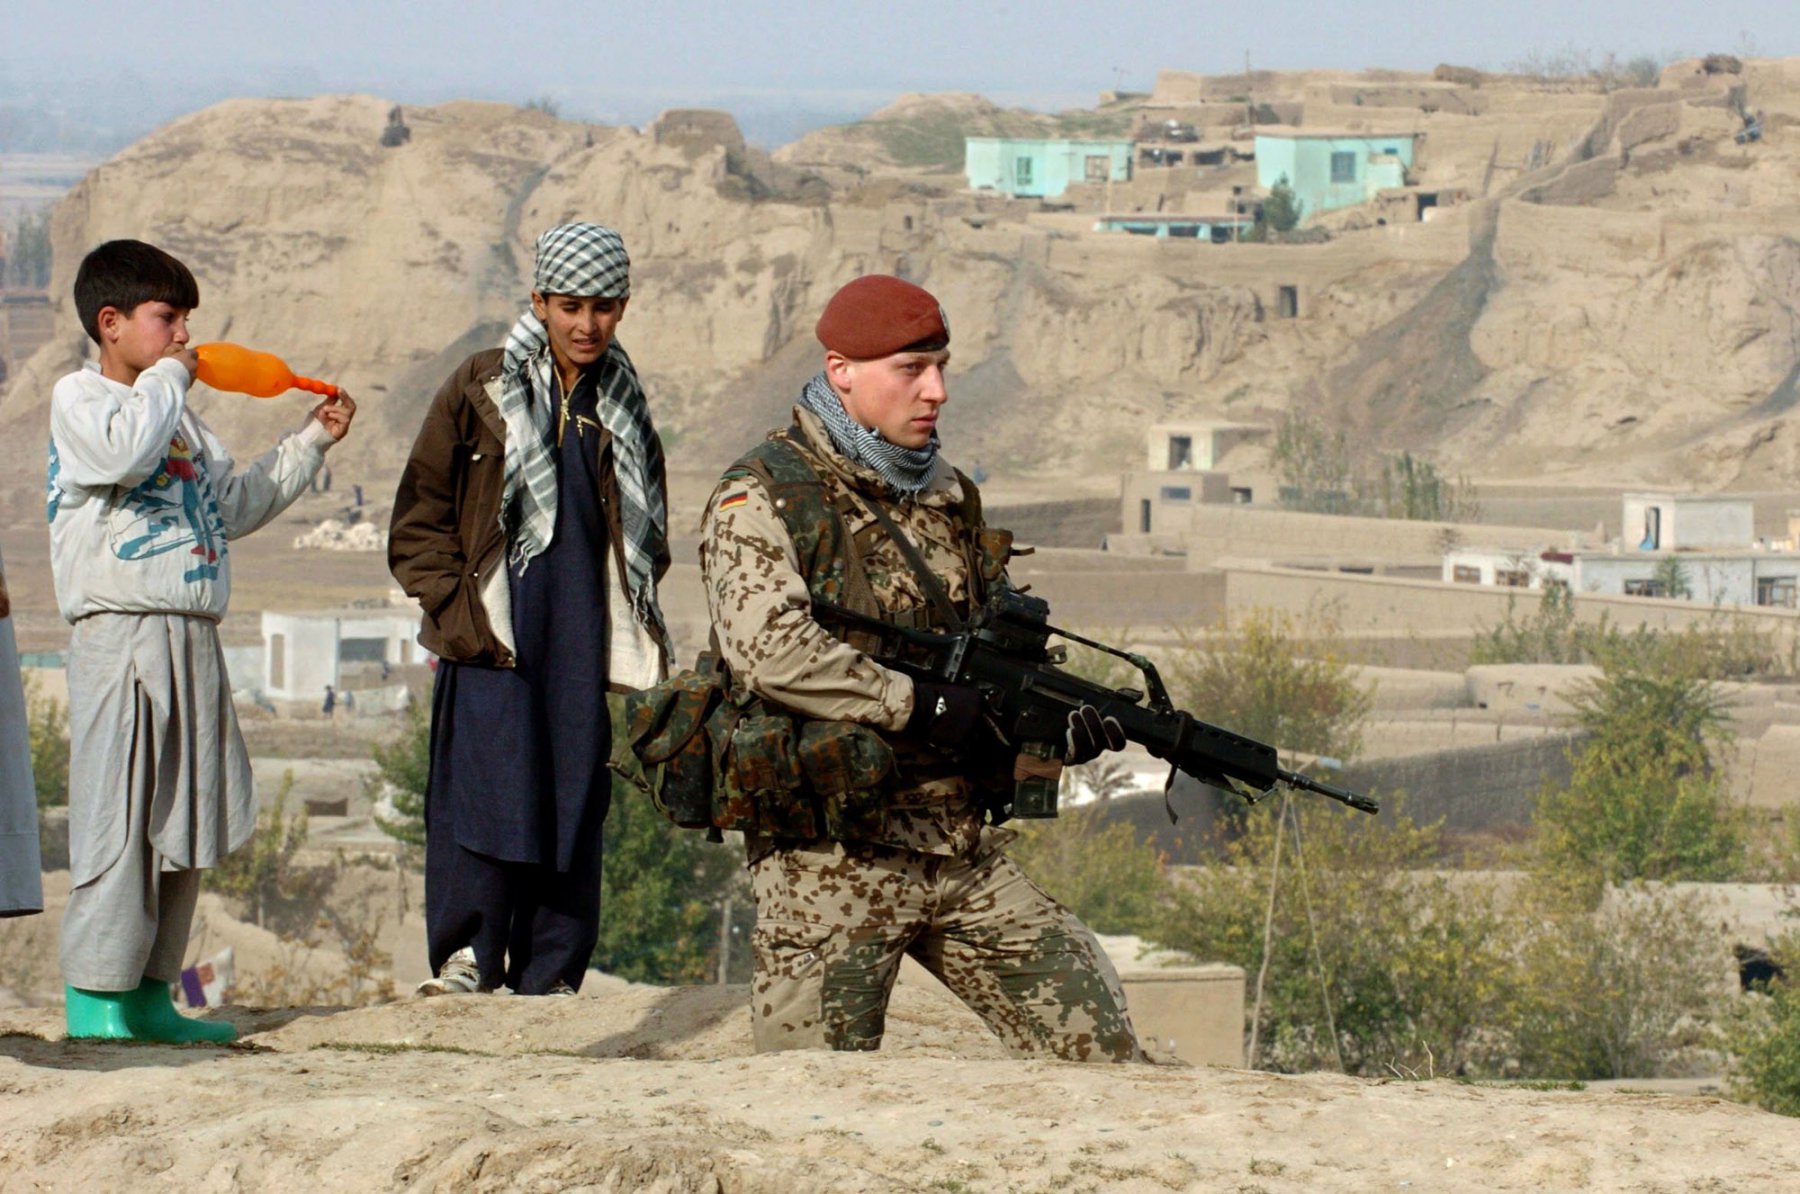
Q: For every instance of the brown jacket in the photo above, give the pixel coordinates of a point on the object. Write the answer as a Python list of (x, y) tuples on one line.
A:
[(445, 541)]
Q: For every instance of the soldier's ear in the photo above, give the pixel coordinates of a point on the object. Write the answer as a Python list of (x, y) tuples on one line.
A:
[(839, 371)]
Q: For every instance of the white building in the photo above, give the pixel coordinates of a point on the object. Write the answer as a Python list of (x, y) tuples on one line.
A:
[(1181, 470), (1700, 548), (305, 652)]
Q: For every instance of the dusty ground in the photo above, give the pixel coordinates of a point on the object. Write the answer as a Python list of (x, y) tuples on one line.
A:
[(640, 1088)]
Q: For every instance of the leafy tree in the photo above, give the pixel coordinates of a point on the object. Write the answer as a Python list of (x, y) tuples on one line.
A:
[(1281, 211), (1413, 489), (662, 895), (1671, 578), (1645, 800), (47, 732), (402, 767), (262, 874), (1275, 678), (1312, 466), (1103, 873)]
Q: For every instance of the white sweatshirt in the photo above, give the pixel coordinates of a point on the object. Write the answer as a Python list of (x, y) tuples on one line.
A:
[(143, 498)]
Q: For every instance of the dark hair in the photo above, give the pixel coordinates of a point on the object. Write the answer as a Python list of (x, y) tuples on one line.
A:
[(124, 273)]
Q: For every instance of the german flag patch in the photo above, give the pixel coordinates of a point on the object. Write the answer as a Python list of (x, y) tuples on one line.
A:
[(732, 501)]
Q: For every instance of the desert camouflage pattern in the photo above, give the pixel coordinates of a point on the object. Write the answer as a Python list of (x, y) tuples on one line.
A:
[(762, 616), (834, 921)]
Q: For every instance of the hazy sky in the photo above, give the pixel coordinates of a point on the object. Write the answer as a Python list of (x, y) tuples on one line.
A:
[(624, 61)]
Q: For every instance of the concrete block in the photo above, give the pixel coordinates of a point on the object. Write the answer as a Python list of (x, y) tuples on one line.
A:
[(1195, 1013)]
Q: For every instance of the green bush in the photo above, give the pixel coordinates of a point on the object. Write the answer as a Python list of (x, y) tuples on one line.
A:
[(1275, 677), (402, 767), (1645, 800), (662, 896), (1104, 874), (262, 875), (1723, 647), (1372, 957), (47, 731), (1626, 990), (1762, 1039)]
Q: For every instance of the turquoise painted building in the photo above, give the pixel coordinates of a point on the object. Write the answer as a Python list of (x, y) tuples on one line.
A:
[(1331, 170), (1038, 168)]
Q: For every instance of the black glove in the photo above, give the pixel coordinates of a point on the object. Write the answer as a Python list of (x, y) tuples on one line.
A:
[(1090, 734), (944, 715)]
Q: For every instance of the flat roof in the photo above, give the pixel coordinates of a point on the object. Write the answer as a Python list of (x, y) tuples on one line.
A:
[(1163, 217), (1294, 134)]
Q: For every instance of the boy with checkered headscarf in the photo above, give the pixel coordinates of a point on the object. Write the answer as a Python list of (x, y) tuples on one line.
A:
[(531, 524)]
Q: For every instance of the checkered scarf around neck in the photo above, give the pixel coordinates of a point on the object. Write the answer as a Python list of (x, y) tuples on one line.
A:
[(589, 261), (906, 470)]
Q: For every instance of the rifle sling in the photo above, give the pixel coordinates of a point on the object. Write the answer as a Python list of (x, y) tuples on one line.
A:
[(928, 581)]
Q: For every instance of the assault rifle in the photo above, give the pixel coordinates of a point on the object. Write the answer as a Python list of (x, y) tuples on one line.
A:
[(1003, 653)]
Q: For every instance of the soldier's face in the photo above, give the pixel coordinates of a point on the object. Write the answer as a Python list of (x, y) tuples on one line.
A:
[(899, 395)]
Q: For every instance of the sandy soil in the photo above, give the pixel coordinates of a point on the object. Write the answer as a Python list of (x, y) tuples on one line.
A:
[(629, 1088)]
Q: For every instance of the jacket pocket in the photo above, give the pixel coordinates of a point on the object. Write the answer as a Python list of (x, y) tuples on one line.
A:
[(479, 470), (848, 765), (460, 626)]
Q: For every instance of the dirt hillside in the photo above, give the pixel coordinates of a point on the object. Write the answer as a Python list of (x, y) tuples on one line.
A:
[(1615, 301), (641, 1089)]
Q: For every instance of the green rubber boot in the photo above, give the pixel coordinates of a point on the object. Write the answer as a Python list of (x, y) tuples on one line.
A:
[(97, 1015), (153, 1017)]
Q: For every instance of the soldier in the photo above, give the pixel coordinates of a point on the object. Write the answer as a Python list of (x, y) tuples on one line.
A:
[(881, 848)]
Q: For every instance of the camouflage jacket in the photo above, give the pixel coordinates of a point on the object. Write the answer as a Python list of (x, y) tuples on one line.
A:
[(761, 605)]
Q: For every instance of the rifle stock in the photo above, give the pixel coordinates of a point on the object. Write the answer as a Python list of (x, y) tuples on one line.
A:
[(1003, 653)]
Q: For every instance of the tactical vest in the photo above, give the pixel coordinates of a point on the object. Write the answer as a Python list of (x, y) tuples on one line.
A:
[(731, 761)]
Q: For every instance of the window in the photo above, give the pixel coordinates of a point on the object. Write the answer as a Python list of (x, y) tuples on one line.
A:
[(1392, 151), (1775, 590), (1645, 587), (1177, 493), (1144, 516), (1466, 574), (1512, 578), (1343, 167), (362, 650), (1022, 172), (1287, 302), (1181, 452), (1099, 167), (1652, 529)]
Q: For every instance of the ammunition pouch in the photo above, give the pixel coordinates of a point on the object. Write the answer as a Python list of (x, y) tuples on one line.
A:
[(711, 760)]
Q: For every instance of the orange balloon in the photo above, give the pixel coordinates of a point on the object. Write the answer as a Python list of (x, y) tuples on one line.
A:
[(246, 371)]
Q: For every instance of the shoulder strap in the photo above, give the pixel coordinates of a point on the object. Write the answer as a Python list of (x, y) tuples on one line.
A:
[(928, 581), (814, 516)]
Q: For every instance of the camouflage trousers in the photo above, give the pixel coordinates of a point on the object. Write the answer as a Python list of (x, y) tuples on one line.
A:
[(832, 924)]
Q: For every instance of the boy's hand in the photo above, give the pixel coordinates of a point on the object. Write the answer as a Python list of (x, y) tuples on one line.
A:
[(336, 414), (190, 360)]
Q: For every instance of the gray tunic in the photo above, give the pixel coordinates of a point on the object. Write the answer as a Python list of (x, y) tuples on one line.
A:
[(197, 787), (21, 888)]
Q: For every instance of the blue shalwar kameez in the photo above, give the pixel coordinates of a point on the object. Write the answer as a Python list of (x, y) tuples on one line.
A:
[(519, 779)]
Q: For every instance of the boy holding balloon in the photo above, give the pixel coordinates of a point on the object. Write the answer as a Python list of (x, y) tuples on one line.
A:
[(143, 501)]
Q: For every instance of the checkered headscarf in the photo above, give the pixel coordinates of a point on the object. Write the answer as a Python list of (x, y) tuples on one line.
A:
[(586, 260)]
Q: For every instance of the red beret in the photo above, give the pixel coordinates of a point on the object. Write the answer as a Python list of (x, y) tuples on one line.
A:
[(879, 315)]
